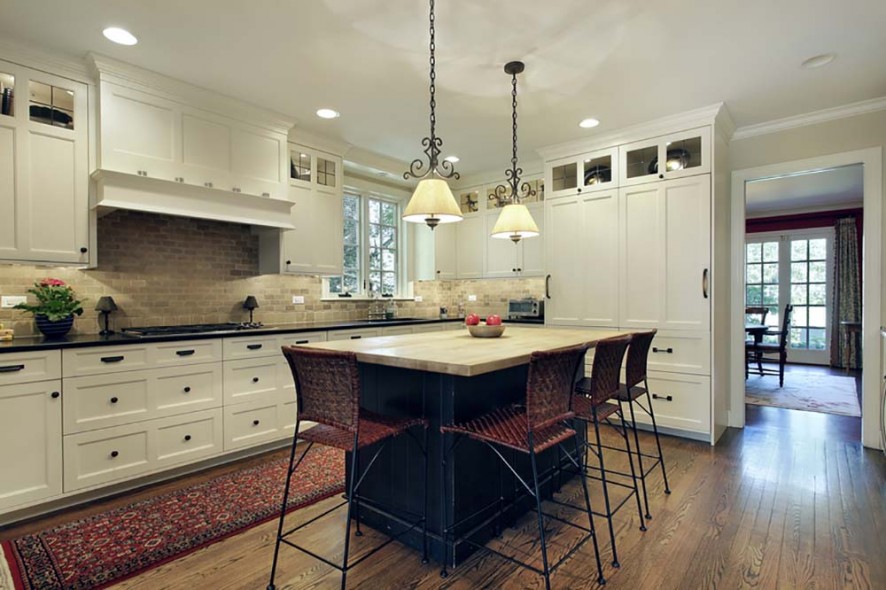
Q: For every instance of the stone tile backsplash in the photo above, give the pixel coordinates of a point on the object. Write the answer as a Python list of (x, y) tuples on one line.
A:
[(174, 270)]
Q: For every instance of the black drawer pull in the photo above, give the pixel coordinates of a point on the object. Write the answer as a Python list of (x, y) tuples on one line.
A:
[(187, 390), (184, 352), (356, 337), (667, 398), (112, 359), (187, 437), (255, 422), (11, 368), (255, 379), (54, 395), (114, 400), (302, 341), (253, 346), (666, 350), (114, 453)]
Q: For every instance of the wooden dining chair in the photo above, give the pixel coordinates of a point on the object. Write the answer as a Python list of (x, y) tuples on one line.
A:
[(763, 352), (760, 314)]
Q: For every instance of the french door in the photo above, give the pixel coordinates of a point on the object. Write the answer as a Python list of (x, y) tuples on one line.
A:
[(794, 268)]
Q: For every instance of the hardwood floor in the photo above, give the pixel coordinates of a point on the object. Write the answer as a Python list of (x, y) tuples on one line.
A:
[(791, 501)]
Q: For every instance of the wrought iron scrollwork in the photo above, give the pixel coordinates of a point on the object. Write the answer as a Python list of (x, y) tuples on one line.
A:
[(512, 175)]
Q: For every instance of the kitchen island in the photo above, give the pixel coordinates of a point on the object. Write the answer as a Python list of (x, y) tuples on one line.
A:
[(446, 377)]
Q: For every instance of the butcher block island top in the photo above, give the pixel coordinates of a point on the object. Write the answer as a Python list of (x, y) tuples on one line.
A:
[(458, 353)]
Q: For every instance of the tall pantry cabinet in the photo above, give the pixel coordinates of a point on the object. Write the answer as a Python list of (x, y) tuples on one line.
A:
[(630, 246)]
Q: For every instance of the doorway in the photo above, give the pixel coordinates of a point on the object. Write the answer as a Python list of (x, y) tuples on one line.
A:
[(811, 335)]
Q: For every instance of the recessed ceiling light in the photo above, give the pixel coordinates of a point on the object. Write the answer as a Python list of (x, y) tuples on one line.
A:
[(327, 114), (120, 36), (452, 159), (588, 123), (817, 61)]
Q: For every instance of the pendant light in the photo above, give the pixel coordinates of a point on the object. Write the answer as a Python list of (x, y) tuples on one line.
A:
[(432, 202), (515, 221)]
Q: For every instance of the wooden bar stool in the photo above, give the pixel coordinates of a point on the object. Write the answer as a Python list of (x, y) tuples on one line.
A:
[(538, 425), (590, 404), (328, 389)]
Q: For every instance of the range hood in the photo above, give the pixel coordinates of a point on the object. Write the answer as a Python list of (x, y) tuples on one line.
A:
[(116, 190)]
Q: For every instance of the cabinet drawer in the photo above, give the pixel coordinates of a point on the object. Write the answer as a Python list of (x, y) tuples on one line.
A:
[(28, 367), (681, 352), (250, 380), (102, 456), (188, 438), (105, 359), (247, 425), (187, 352), (100, 401), (300, 338), (250, 347), (354, 334), (681, 401)]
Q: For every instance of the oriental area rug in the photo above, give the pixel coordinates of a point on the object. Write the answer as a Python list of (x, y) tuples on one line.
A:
[(106, 548), (828, 394)]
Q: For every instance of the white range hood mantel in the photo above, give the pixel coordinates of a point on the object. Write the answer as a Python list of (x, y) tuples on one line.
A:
[(115, 190)]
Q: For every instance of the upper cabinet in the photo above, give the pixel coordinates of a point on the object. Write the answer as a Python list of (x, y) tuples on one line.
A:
[(684, 154), (588, 172), (44, 168)]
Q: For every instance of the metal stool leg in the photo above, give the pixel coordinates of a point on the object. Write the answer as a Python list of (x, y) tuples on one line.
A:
[(639, 460), (541, 523), (664, 474), (289, 471), (584, 485), (615, 562), (351, 492), (624, 429)]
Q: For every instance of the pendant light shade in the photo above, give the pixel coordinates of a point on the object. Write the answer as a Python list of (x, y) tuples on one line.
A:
[(515, 223), (432, 203)]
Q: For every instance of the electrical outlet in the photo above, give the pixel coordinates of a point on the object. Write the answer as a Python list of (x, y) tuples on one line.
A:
[(298, 299), (418, 299), (472, 297), (12, 300)]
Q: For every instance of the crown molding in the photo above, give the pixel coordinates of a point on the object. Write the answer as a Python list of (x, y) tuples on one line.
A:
[(108, 69), (318, 142), (815, 117), (30, 56), (682, 121), (531, 171)]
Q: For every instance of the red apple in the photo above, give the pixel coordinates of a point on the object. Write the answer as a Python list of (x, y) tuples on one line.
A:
[(493, 320), (472, 319)]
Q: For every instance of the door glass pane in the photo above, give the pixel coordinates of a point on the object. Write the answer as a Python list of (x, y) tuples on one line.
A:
[(565, 176), (642, 161), (51, 105), (7, 94), (469, 202), (683, 154), (761, 272), (809, 293), (325, 172), (597, 170), (300, 166)]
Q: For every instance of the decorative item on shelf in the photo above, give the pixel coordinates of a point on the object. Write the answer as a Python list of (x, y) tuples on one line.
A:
[(444, 313), (515, 221), (597, 175), (55, 309), (432, 202), (677, 159), (251, 303), (105, 306)]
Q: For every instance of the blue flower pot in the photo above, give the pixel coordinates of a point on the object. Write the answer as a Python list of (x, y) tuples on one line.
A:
[(54, 329)]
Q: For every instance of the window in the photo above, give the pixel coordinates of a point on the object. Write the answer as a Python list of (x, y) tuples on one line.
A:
[(762, 282), (809, 293), (372, 258)]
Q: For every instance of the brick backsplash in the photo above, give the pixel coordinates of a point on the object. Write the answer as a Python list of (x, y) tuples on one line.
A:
[(173, 270)]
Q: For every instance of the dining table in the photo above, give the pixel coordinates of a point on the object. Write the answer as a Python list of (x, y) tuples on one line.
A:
[(449, 377)]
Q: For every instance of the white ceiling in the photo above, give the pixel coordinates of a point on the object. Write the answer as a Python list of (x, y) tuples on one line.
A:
[(835, 188), (622, 61)]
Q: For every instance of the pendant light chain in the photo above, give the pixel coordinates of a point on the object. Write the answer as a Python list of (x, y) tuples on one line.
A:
[(514, 173), (515, 176), (432, 143)]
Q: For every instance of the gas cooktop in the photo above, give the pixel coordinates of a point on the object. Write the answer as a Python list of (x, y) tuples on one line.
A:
[(188, 329)]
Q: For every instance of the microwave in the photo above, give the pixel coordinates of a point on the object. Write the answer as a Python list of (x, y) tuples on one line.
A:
[(526, 308)]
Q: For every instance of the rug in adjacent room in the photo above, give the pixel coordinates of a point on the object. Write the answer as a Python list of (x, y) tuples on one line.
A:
[(105, 548), (813, 392)]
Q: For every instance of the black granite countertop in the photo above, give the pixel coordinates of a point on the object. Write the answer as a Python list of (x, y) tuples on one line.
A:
[(534, 321), (26, 343)]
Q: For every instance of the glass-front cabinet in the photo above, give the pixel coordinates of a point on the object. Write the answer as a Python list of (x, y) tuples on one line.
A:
[(312, 169), (588, 172), (469, 200), (7, 94), (684, 154)]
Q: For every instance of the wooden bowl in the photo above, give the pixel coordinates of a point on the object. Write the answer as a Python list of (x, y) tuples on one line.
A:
[(486, 331)]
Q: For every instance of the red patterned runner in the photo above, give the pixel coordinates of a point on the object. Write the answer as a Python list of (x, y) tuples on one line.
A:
[(106, 548)]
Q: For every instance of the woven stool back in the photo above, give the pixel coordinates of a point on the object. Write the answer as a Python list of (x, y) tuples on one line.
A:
[(638, 353), (327, 384), (605, 377), (550, 383)]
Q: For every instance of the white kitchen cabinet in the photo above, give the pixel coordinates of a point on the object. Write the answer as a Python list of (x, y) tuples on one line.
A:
[(44, 167), (258, 162), (665, 245), (470, 247), (504, 258), (31, 455), (583, 261), (686, 153), (588, 172), (444, 250)]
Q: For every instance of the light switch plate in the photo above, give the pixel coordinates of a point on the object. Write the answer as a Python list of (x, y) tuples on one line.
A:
[(418, 299), (472, 297), (298, 299), (8, 301)]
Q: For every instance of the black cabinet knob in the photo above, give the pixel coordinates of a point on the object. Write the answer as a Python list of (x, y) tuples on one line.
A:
[(114, 400), (288, 262), (187, 390), (84, 250), (187, 437), (579, 189), (54, 395), (114, 453), (661, 175), (255, 379), (255, 422)]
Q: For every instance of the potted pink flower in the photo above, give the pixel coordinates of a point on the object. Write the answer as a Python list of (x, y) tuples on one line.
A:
[(55, 309)]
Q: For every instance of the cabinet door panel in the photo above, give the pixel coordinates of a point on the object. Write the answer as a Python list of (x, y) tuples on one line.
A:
[(641, 245), (501, 255), (444, 251), (256, 162), (531, 259), (297, 247), (598, 244), (686, 250), (328, 238), (9, 241), (153, 147), (470, 247), (565, 261), (206, 144)]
